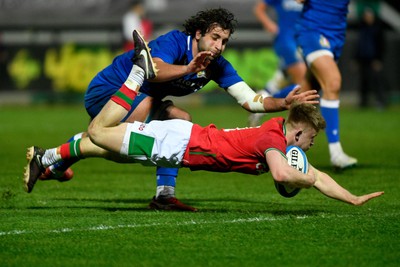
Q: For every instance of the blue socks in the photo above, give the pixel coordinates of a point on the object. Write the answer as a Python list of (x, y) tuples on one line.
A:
[(166, 176), (330, 112)]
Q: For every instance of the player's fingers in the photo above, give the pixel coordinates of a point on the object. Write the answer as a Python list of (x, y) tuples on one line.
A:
[(376, 194), (368, 197), (204, 54), (309, 98), (201, 56), (310, 92), (312, 97), (312, 102)]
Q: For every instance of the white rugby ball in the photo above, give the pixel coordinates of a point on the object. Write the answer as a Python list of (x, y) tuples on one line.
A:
[(298, 160)]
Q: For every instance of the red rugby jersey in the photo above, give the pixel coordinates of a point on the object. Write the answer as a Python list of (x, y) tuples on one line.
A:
[(234, 150)]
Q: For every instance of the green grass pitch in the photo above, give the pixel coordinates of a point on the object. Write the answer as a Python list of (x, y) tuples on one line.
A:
[(100, 218)]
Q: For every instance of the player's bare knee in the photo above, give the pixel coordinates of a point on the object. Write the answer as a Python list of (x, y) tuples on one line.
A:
[(178, 113), (186, 117), (94, 132), (334, 85)]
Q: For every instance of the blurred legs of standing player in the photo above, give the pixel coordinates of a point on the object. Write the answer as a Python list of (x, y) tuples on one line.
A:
[(326, 72)]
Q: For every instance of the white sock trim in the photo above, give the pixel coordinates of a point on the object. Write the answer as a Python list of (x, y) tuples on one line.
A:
[(329, 103), (135, 78), (165, 191), (50, 157)]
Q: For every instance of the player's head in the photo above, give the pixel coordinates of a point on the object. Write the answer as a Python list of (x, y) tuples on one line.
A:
[(303, 124), (212, 29), (208, 19)]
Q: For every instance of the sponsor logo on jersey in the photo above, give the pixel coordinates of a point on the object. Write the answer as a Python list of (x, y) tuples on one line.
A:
[(142, 126)]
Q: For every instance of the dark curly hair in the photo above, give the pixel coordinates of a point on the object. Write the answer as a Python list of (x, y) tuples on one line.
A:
[(208, 19)]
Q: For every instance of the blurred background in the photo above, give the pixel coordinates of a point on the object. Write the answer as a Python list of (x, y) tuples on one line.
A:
[(51, 49)]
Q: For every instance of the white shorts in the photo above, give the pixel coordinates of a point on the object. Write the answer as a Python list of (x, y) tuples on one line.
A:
[(161, 143)]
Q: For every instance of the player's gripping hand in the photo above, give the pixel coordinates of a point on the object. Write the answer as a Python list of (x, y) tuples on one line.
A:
[(200, 62), (309, 97)]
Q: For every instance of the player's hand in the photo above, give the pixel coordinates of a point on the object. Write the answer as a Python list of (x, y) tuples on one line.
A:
[(309, 97), (272, 28), (200, 62), (358, 201)]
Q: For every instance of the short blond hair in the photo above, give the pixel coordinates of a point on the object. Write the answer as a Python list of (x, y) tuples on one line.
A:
[(307, 114)]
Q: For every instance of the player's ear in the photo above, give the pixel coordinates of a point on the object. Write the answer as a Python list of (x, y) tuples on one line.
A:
[(297, 136), (198, 35)]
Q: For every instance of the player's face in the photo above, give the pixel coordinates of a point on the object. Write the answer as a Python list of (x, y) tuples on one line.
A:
[(215, 40), (306, 139)]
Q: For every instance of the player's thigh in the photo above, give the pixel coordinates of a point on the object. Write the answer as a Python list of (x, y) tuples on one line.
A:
[(327, 73), (297, 72)]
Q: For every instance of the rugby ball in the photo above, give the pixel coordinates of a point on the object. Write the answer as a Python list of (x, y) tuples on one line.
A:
[(298, 160)]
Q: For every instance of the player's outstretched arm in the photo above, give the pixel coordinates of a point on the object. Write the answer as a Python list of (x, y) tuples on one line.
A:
[(327, 186), (168, 72), (253, 102)]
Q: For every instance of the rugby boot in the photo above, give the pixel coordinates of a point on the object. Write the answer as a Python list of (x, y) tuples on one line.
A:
[(60, 176), (142, 57), (34, 167), (169, 203)]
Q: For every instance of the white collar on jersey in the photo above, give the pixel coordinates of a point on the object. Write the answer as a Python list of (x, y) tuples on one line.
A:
[(189, 41)]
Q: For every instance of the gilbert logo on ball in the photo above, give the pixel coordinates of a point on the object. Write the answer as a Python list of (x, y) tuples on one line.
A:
[(298, 160)]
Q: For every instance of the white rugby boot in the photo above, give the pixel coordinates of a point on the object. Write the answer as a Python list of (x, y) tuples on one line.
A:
[(339, 159)]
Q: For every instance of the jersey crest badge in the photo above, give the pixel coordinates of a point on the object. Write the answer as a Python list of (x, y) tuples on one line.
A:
[(324, 42), (201, 74)]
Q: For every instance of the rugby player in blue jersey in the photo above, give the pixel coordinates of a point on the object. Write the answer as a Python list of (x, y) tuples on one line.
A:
[(187, 60), (291, 65), (320, 33)]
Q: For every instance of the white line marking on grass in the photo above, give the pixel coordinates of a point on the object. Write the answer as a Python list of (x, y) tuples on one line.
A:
[(122, 226), (191, 222)]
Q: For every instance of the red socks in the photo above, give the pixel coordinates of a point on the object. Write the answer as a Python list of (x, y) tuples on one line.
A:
[(71, 150), (124, 97)]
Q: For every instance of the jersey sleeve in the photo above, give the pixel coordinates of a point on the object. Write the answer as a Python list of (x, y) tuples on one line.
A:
[(272, 137), (169, 47)]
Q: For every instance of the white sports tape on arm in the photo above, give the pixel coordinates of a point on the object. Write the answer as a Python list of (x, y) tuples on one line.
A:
[(244, 94)]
